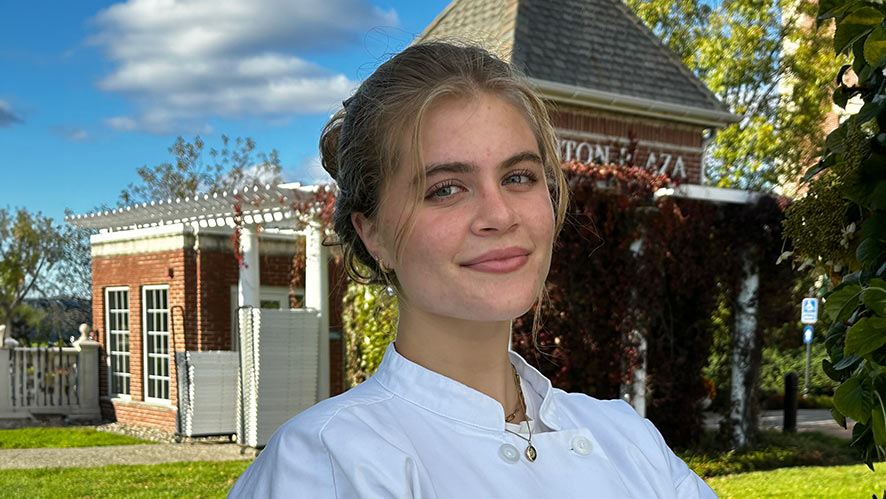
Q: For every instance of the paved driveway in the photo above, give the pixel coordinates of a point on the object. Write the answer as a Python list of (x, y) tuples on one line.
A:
[(807, 420), (119, 454)]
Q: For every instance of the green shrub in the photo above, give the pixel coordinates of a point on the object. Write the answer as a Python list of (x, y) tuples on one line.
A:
[(778, 362), (369, 320), (775, 449)]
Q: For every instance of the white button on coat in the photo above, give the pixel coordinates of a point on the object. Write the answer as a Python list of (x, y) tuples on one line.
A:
[(582, 445), (509, 453), (408, 432)]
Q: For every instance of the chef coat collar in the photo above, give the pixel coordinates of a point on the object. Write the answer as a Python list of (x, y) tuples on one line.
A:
[(454, 400)]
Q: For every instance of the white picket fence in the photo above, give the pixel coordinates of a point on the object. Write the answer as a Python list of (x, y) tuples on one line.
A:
[(44, 378), (59, 381)]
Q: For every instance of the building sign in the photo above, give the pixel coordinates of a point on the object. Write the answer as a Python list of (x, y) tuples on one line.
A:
[(620, 151)]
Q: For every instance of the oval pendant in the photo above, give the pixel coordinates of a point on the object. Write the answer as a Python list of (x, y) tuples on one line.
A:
[(530, 453)]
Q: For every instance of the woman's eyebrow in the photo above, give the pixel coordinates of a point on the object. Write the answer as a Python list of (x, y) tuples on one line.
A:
[(463, 167)]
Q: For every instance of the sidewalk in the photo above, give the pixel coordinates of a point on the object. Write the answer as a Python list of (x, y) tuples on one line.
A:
[(119, 454), (819, 420)]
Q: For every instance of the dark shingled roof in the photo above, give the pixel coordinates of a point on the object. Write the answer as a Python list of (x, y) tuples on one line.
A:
[(596, 44)]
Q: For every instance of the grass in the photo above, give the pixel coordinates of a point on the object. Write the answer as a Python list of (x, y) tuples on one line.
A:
[(732, 475), (849, 482), (31, 438), (775, 450), (214, 479), (191, 479)]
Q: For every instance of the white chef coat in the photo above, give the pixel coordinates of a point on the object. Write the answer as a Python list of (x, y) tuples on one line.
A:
[(408, 432)]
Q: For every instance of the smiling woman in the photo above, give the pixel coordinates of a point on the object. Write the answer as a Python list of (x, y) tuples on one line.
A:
[(450, 191)]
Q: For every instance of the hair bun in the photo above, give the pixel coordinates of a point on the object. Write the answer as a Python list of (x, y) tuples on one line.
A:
[(329, 139)]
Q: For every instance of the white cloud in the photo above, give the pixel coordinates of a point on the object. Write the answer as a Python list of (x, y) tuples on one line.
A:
[(122, 123), (72, 133), (310, 171), (185, 61), (8, 117)]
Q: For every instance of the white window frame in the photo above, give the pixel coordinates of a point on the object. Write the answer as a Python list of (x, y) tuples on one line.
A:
[(110, 352), (146, 367)]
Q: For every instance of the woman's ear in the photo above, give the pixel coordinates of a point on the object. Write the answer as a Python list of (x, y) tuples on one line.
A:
[(367, 229)]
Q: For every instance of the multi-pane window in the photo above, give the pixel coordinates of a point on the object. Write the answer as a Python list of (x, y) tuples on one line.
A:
[(155, 301), (117, 313)]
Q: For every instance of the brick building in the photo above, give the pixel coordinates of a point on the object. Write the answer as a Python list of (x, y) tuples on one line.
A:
[(166, 280), (617, 94)]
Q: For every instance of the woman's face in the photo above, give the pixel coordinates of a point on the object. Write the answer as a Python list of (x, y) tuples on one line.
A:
[(480, 247)]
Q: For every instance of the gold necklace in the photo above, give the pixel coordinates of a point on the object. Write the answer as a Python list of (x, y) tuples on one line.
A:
[(530, 452), (510, 417)]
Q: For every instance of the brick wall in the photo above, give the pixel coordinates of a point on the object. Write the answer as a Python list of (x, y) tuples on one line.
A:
[(139, 414), (216, 272), (675, 139), (135, 271)]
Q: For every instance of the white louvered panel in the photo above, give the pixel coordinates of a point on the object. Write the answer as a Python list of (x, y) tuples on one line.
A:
[(290, 357), (250, 322), (208, 388), (279, 369)]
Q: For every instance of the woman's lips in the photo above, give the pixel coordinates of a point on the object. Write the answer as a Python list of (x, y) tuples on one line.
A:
[(501, 266), (499, 261)]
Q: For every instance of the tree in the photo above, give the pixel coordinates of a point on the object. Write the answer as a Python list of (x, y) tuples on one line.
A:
[(840, 226), (30, 246), (225, 170), (766, 61), (72, 275)]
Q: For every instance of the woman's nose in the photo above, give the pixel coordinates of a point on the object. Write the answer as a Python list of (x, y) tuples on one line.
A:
[(494, 212)]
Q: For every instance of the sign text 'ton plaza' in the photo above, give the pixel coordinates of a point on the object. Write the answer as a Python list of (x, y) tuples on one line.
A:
[(671, 165)]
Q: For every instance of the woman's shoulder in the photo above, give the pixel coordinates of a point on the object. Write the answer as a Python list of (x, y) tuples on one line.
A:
[(614, 408), (629, 439), (301, 452), (341, 409), (613, 416)]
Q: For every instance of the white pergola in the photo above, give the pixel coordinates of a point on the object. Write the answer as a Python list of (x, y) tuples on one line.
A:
[(271, 207)]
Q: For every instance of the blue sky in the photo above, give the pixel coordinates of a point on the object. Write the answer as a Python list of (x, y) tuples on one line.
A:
[(92, 90)]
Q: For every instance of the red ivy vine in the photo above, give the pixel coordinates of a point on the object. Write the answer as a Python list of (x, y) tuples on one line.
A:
[(318, 208), (603, 292), (238, 226)]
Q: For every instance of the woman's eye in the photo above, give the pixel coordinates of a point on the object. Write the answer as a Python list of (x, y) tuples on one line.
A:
[(520, 178), (443, 191)]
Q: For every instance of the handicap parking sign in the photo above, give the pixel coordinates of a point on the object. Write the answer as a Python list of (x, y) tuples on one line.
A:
[(809, 311), (807, 334)]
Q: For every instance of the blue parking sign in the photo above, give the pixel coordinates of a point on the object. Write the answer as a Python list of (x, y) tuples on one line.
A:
[(807, 334), (809, 311)]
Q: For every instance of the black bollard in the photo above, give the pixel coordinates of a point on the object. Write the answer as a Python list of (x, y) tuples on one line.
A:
[(790, 402)]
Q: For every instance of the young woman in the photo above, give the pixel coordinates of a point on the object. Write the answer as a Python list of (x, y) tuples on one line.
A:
[(451, 192)]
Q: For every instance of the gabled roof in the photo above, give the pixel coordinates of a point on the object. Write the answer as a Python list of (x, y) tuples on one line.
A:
[(595, 45), (490, 23)]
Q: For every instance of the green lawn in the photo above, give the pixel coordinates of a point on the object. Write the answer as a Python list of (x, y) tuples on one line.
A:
[(838, 482), (730, 474), (194, 479), (72, 436), (214, 479)]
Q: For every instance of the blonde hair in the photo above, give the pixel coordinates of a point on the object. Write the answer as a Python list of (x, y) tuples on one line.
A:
[(361, 145)]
